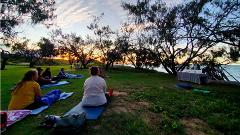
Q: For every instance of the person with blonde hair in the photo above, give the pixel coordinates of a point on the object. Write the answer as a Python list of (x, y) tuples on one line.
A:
[(26, 93)]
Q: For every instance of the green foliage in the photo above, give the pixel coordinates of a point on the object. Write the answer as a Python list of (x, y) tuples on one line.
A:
[(47, 48), (234, 53), (103, 42), (15, 13), (51, 62), (75, 47), (171, 126), (194, 25), (220, 109)]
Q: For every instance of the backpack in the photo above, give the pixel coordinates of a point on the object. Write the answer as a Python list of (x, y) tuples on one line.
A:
[(67, 124)]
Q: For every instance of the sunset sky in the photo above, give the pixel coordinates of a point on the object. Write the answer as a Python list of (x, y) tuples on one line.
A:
[(75, 15)]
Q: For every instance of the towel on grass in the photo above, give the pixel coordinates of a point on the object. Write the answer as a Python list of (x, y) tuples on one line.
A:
[(14, 116), (55, 84), (74, 76)]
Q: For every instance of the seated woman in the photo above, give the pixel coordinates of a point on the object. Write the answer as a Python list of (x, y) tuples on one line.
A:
[(94, 89), (47, 74), (101, 72), (62, 74), (26, 93), (41, 80)]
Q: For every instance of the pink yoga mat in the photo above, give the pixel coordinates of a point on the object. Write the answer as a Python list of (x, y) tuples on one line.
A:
[(16, 115)]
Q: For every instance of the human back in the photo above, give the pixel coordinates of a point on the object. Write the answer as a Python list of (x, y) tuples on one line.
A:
[(25, 92), (94, 90), (94, 85)]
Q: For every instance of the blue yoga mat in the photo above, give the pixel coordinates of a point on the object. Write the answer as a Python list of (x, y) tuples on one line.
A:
[(184, 85), (65, 95), (92, 113), (55, 84), (39, 110), (74, 76)]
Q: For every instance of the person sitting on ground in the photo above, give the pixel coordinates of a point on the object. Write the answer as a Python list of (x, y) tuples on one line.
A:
[(47, 74), (41, 80), (94, 89), (101, 72), (26, 93), (62, 74)]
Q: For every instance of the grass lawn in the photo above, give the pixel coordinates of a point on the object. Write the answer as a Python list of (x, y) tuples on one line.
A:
[(143, 103)]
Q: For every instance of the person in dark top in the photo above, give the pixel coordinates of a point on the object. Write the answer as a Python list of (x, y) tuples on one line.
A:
[(47, 74), (41, 80), (62, 74)]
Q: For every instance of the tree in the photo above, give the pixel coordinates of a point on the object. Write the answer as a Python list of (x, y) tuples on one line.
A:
[(185, 31), (4, 57), (103, 39), (135, 50), (113, 56), (75, 47), (220, 25), (47, 48), (15, 12), (21, 48)]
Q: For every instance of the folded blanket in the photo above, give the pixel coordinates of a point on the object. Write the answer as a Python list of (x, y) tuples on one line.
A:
[(51, 97), (55, 84), (14, 116), (63, 96)]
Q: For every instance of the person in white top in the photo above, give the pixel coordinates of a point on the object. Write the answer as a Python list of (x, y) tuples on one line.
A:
[(94, 89)]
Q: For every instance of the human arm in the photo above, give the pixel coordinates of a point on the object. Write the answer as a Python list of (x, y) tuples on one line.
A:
[(41, 79), (104, 86), (84, 88), (37, 90)]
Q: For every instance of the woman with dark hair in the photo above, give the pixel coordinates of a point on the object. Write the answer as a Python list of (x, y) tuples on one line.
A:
[(41, 80), (47, 74), (26, 92), (62, 74), (94, 89)]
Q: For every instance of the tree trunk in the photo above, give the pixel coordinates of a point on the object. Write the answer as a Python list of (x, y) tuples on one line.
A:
[(32, 63), (4, 58), (84, 63), (107, 66), (3, 63), (84, 66)]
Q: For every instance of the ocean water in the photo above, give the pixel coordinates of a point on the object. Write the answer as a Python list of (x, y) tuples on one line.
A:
[(234, 70)]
